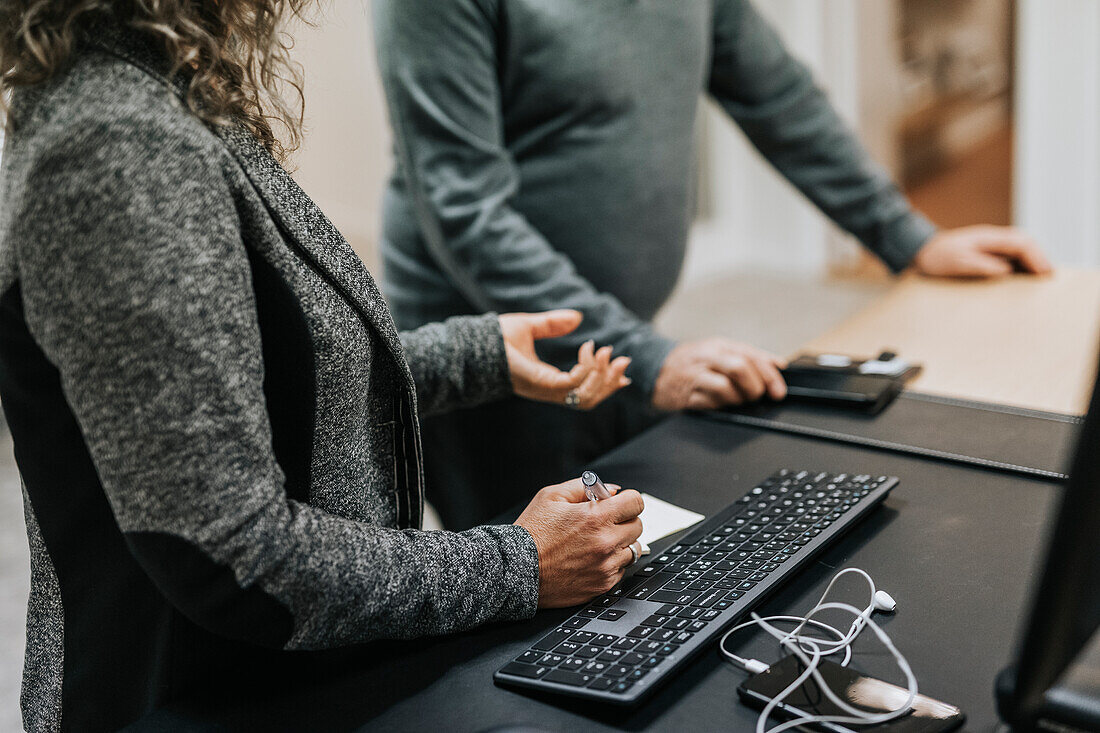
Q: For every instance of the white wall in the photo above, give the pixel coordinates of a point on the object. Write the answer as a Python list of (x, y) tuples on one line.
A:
[(345, 158), (1058, 127)]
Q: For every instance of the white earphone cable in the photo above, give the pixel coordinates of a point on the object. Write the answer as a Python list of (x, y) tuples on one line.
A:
[(810, 650)]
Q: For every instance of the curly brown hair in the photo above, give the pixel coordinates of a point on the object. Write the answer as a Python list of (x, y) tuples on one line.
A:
[(236, 53)]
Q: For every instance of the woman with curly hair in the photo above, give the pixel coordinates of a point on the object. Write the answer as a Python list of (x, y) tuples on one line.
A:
[(214, 418)]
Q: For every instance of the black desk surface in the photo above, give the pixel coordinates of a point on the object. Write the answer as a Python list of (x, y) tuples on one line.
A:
[(956, 546)]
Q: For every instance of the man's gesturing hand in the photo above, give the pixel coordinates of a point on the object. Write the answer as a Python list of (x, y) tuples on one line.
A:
[(584, 546), (708, 374)]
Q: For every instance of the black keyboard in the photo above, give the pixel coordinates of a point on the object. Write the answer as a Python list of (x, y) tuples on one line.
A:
[(626, 642)]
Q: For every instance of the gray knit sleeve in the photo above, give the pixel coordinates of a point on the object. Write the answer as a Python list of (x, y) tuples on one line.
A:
[(136, 285), (774, 99), (458, 363)]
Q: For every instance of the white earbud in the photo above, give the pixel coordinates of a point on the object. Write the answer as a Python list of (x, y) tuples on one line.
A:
[(884, 602)]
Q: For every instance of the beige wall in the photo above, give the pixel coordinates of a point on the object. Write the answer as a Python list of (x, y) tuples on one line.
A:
[(345, 158)]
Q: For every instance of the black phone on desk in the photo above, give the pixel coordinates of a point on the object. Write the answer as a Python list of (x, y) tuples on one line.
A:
[(866, 393), (858, 690), (866, 385)]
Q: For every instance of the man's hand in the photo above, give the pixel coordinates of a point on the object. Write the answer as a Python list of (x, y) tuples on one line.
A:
[(708, 374), (980, 251), (594, 378), (583, 546)]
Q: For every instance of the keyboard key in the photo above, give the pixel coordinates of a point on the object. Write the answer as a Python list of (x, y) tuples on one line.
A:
[(531, 671), (632, 659), (690, 612), (651, 661), (746, 585), (529, 657), (576, 623), (589, 613), (602, 683), (567, 648), (656, 620), (680, 599), (644, 590), (683, 637), (696, 626), (582, 637), (587, 652), (612, 614), (551, 660), (650, 647), (637, 673), (640, 632), (596, 666), (733, 595), (626, 644), (709, 598), (564, 677), (676, 549), (723, 604), (612, 655), (551, 640), (661, 559), (710, 614), (669, 610), (647, 571), (622, 686), (616, 671), (676, 623), (663, 635), (701, 585), (603, 640), (572, 664), (675, 585)]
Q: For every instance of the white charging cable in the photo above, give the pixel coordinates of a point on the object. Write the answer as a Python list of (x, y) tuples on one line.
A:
[(812, 649)]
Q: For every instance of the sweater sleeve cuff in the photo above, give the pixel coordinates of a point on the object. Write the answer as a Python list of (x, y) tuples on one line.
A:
[(487, 376), (903, 239), (521, 572), (648, 355)]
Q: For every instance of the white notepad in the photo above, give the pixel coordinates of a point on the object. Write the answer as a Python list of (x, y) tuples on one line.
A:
[(660, 519)]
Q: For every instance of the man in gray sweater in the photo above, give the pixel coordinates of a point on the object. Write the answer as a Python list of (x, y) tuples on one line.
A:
[(544, 153)]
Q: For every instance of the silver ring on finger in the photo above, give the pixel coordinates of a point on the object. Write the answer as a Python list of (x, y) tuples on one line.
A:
[(635, 552)]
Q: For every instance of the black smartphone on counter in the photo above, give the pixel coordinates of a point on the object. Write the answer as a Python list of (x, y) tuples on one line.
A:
[(858, 690)]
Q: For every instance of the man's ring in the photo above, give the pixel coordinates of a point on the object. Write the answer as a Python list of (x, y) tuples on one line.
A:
[(573, 399), (634, 552)]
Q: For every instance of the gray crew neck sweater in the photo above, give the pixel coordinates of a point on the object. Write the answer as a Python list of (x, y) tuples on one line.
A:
[(544, 155)]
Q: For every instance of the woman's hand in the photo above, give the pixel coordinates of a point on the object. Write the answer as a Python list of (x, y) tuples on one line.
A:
[(583, 546), (593, 379)]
